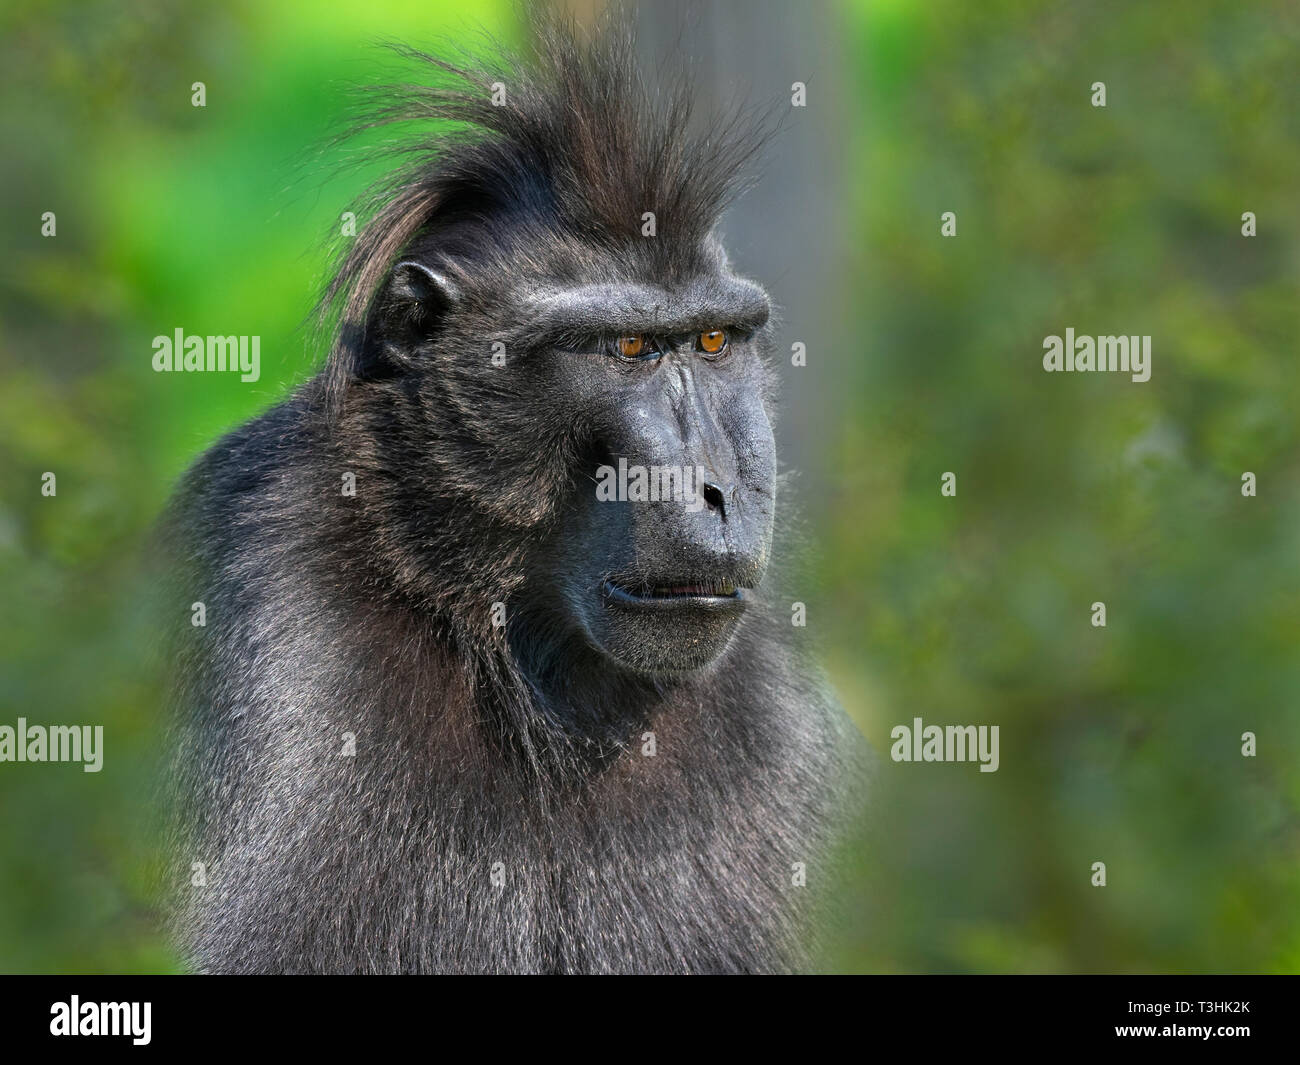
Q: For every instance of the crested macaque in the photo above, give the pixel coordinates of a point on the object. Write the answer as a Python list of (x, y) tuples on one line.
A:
[(452, 709)]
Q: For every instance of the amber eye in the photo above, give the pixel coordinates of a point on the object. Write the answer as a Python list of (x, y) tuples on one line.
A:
[(631, 347), (712, 342)]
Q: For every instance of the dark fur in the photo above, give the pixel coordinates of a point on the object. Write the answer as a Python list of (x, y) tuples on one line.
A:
[(371, 615)]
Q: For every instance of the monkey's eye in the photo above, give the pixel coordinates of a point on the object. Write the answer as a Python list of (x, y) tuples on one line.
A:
[(635, 346), (711, 342)]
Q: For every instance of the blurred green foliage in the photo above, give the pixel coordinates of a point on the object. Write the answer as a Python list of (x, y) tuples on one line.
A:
[(1119, 744)]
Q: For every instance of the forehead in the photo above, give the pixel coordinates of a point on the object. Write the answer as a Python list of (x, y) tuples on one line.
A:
[(648, 287), (703, 302)]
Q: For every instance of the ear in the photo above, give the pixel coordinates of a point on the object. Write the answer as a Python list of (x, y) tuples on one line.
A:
[(416, 299), (419, 285)]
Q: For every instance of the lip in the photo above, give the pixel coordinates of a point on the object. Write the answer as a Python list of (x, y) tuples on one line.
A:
[(670, 599)]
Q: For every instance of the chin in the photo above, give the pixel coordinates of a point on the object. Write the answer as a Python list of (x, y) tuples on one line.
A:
[(668, 629)]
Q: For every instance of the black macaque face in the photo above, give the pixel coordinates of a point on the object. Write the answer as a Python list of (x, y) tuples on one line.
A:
[(670, 526), (655, 393)]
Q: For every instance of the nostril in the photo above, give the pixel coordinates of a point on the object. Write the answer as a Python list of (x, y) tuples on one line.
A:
[(715, 500)]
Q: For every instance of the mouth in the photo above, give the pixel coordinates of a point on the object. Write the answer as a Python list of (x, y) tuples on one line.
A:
[(720, 596)]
